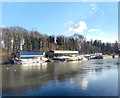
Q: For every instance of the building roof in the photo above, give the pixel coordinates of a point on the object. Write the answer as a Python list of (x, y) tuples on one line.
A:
[(63, 51)]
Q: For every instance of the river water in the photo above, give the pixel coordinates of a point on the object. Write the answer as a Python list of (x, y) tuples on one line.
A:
[(88, 78)]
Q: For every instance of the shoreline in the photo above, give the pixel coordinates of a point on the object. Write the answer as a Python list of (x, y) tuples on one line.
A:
[(110, 56), (104, 57)]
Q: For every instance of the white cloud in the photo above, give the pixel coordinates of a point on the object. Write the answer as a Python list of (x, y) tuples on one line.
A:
[(85, 0), (90, 13), (78, 28), (68, 23), (2, 26), (102, 13), (94, 9), (93, 5), (101, 33), (89, 37), (93, 30), (102, 38)]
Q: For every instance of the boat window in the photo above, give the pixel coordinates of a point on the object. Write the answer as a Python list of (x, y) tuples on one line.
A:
[(27, 57)]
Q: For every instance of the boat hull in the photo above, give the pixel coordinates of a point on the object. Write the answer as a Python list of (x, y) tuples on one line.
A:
[(66, 58), (28, 61)]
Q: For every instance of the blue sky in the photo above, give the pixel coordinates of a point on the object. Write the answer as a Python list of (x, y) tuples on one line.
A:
[(91, 19)]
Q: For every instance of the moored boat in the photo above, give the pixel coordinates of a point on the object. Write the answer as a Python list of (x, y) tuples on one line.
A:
[(24, 60), (67, 58), (30, 57)]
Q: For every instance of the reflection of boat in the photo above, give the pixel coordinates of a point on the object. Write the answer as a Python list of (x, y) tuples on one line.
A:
[(35, 64)]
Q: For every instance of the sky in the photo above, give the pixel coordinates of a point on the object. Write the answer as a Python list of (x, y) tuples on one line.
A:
[(93, 20)]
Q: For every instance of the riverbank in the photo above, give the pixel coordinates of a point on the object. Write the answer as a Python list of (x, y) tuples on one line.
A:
[(104, 57), (110, 56)]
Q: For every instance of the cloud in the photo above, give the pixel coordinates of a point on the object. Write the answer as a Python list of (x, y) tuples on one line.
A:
[(93, 30), (102, 13), (68, 23), (93, 5), (78, 28), (89, 37), (101, 33), (85, 0), (2, 26), (90, 13), (94, 9), (102, 38)]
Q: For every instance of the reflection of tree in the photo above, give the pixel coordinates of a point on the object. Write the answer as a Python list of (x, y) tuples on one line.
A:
[(26, 77), (35, 76), (61, 77), (74, 74), (84, 83), (81, 80)]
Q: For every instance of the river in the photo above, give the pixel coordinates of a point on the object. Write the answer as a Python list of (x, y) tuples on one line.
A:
[(89, 78)]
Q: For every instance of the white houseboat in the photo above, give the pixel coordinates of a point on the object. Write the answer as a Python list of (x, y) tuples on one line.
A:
[(64, 55), (30, 57)]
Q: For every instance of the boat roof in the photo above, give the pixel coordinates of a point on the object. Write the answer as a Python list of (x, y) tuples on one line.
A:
[(63, 51), (31, 53)]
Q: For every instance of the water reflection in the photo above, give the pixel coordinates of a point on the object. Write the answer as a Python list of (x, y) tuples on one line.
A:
[(21, 79)]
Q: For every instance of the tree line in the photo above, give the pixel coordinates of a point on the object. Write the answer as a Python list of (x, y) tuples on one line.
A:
[(16, 39)]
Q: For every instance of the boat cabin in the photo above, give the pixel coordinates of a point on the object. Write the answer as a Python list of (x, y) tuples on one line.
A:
[(55, 53), (29, 55)]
